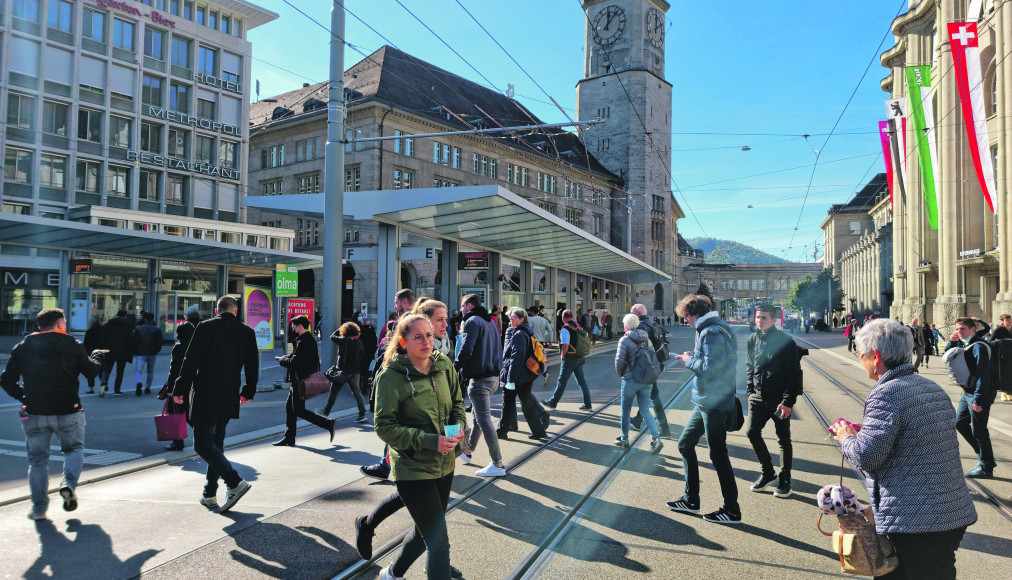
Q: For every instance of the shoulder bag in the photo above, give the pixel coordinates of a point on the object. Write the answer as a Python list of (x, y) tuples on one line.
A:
[(313, 385)]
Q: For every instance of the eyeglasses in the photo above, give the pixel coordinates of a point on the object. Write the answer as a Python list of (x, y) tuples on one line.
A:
[(429, 337)]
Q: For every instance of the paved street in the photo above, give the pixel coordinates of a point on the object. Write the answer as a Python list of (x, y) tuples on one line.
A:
[(542, 520)]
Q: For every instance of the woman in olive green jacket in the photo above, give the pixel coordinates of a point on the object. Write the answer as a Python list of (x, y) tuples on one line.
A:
[(417, 398)]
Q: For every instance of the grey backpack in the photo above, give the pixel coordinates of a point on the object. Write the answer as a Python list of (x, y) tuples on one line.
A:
[(644, 368), (956, 365)]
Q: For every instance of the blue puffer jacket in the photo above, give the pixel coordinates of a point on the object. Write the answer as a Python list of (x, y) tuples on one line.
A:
[(713, 362), (480, 353), (908, 447)]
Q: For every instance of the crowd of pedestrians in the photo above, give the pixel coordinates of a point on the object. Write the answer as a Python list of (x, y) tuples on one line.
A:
[(430, 360)]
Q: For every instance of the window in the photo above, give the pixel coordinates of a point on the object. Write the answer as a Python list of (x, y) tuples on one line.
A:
[(16, 208), (574, 217), (154, 44), (855, 227), (119, 132), (404, 146), (402, 179), (146, 227), (549, 207), (456, 157), (509, 173), (493, 165), (212, 20), (474, 163), (179, 143), (188, 10), (272, 187), (174, 7), (89, 125), (20, 111), (180, 52), (27, 10), (277, 155), (54, 117), (93, 25), (176, 193), (151, 138), (205, 150), (207, 61), (231, 67), (551, 188), (310, 183), (119, 181), (149, 186), (596, 224), (435, 151), (656, 230), (179, 98), (352, 235), (658, 203), (598, 198), (18, 166), (201, 14), (523, 177), (151, 91), (230, 238), (228, 154), (202, 234), (88, 175), (205, 108), (122, 34), (353, 179), (59, 14), (225, 24)]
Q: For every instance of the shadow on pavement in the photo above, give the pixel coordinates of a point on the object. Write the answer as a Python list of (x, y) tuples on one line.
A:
[(88, 555), (198, 465), (986, 544)]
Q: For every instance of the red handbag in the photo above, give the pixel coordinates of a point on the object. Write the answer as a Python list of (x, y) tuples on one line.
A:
[(170, 426)]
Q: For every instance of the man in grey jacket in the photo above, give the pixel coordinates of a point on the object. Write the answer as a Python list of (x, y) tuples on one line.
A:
[(713, 364)]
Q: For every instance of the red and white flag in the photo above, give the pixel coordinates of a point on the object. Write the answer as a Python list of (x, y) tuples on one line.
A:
[(969, 80), (887, 155)]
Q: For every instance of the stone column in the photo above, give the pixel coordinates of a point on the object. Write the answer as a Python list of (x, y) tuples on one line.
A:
[(1003, 301)]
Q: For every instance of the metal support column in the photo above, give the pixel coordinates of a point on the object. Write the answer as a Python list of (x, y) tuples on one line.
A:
[(388, 271), (450, 289)]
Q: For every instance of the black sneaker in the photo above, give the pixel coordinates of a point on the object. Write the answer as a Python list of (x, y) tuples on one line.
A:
[(69, 498), (622, 441), (764, 480), (783, 489), (363, 538), (682, 505), (585, 408), (549, 403), (546, 420), (361, 419), (379, 471), (636, 421), (722, 516)]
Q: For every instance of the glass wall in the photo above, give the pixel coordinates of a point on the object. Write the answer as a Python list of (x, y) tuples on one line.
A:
[(117, 283), (23, 294), (182, 285)]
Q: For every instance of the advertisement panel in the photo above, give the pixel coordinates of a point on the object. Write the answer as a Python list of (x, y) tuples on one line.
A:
[(258, 307), (286, 280), (299, 307)]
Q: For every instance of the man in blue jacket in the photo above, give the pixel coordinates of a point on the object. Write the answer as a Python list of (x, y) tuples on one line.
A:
[(713, 364), (978, 395), (147, 345)]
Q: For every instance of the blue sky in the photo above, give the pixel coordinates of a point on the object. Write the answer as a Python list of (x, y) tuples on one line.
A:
[(756, 74)]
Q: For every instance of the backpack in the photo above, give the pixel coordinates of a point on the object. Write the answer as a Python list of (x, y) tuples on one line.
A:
[(659, 340), (958, 367), (537, 362), (1002, 363), (579, 346), (644, 368)]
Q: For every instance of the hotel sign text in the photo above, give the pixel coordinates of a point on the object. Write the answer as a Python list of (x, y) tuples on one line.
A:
[(185, 119)]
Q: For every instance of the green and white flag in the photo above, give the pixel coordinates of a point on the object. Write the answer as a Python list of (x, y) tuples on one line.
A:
[(922, 111)]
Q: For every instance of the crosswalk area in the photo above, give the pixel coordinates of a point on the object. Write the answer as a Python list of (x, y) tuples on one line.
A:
[(13, 448)]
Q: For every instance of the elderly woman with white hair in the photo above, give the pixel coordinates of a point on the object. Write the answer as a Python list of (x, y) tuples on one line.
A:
[(635, 338), (906, 442)]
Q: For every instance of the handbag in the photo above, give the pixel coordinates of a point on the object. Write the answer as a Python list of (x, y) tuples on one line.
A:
[(170, 426), (736, 420), (336, 375), (861, 549), (313, 385)]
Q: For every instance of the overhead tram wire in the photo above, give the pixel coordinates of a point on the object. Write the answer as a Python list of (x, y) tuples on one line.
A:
[(818, 154)]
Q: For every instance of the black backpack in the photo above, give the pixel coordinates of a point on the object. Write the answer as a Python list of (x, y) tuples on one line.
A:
[(659, 340)]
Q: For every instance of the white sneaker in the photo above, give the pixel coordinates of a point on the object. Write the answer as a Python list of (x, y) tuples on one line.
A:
[(234, 495), (466, 458), (209, 501), (386, 574), (491, 471)]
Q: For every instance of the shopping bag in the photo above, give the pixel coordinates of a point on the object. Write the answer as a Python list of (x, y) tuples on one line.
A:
[(170, 426)]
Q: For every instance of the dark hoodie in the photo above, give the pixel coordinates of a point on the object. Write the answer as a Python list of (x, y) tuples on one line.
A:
[(515, 355), (480, 354), (50, 363), (349, 353)]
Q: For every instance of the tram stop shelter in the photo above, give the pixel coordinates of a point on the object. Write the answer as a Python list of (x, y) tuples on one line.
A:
[(535, 255)]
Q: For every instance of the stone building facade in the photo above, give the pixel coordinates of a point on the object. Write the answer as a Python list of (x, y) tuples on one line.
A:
[(737, 287), (958, 269)]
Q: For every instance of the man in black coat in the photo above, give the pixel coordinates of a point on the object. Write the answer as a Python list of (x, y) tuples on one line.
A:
[(304, 361), (118, 339), (221, 347)]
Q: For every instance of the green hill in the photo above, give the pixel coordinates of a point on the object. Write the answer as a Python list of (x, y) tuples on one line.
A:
[(729, 252)]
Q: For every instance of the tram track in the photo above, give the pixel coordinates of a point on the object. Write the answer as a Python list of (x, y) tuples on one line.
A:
[(540, 555), (1004, 508)]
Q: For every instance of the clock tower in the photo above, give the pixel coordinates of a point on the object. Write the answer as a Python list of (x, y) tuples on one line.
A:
[(623, 85)]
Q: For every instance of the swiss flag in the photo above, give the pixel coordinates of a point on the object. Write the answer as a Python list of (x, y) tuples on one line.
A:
[(963, 34)]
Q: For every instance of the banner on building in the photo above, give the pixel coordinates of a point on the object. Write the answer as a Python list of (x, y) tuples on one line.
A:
[(969, 80), (258, 306), (887, 156), (923, 114), (896, 112)]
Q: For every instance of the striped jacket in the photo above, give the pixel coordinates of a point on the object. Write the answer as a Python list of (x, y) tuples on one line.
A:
[(908, 447)]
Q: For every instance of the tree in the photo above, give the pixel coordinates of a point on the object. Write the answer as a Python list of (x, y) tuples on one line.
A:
[(705, 291), (810, 295)]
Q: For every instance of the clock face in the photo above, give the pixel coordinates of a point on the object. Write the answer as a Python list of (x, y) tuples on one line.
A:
[(655, 27), (609, 24)]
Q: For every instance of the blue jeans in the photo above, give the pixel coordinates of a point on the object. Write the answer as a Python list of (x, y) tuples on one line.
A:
[(973, 427), (571, 367), (480, 392), (714, 424), (39, 431), (146, 362), (631, 390), (209, 443)]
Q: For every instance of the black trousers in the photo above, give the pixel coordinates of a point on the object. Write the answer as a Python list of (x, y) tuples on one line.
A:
[(931, 555), (384, 510), (107, 370), (759, 414), (295, 409), (426, 500), (655, 400), (533, 412), (209, 443)]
